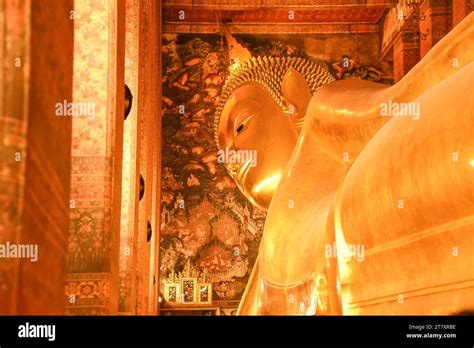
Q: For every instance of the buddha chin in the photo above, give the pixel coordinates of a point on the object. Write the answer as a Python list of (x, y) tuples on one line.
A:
[(257, 188)]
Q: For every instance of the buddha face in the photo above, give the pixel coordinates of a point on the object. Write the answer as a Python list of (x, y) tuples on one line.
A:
[(258, 138)]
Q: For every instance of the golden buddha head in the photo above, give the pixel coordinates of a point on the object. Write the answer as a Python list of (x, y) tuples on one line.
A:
[(258, 119)]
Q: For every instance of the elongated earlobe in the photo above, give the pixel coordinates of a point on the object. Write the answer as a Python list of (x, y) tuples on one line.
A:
[(297, 95)]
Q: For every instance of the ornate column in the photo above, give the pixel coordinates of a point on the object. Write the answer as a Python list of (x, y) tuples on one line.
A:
[(437, 22), (93, 259), (130, 175), (461, 8), (36, 75), (142, 159), (14, 48), (149, 156), (405, 54), (156, 154)]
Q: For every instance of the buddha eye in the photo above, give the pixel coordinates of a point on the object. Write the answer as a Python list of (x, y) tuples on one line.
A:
[(242, 125)]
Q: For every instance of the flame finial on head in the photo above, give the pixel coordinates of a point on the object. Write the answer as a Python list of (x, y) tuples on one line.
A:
[(238, 54)]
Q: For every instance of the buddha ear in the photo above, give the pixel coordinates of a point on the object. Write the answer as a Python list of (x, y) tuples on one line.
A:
[(297, 95)]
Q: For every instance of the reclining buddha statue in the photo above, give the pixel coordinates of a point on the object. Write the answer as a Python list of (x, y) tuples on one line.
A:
[(368, 187)]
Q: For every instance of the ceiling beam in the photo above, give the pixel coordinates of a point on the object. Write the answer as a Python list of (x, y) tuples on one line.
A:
[(242, 5), (371, 15), (256, 16), (275, 28)]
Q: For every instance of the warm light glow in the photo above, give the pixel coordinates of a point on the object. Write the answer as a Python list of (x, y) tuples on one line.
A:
[(268, 184), (360, 207)]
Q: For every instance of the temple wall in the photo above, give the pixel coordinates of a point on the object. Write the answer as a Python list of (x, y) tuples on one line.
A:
[(363, 47)]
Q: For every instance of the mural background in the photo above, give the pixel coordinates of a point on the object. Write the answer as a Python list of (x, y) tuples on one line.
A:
[(204, 216)]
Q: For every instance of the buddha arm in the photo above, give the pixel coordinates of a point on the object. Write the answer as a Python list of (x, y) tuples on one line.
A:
[(408, 199), (420, 238)]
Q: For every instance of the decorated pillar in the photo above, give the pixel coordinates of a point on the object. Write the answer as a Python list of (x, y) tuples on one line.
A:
[(35, 150), (130, 174), (461, 8), (156, 144), (13, 29), (93, 258), (141, 161), (436, 22), (405, 53), (149, 163)]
